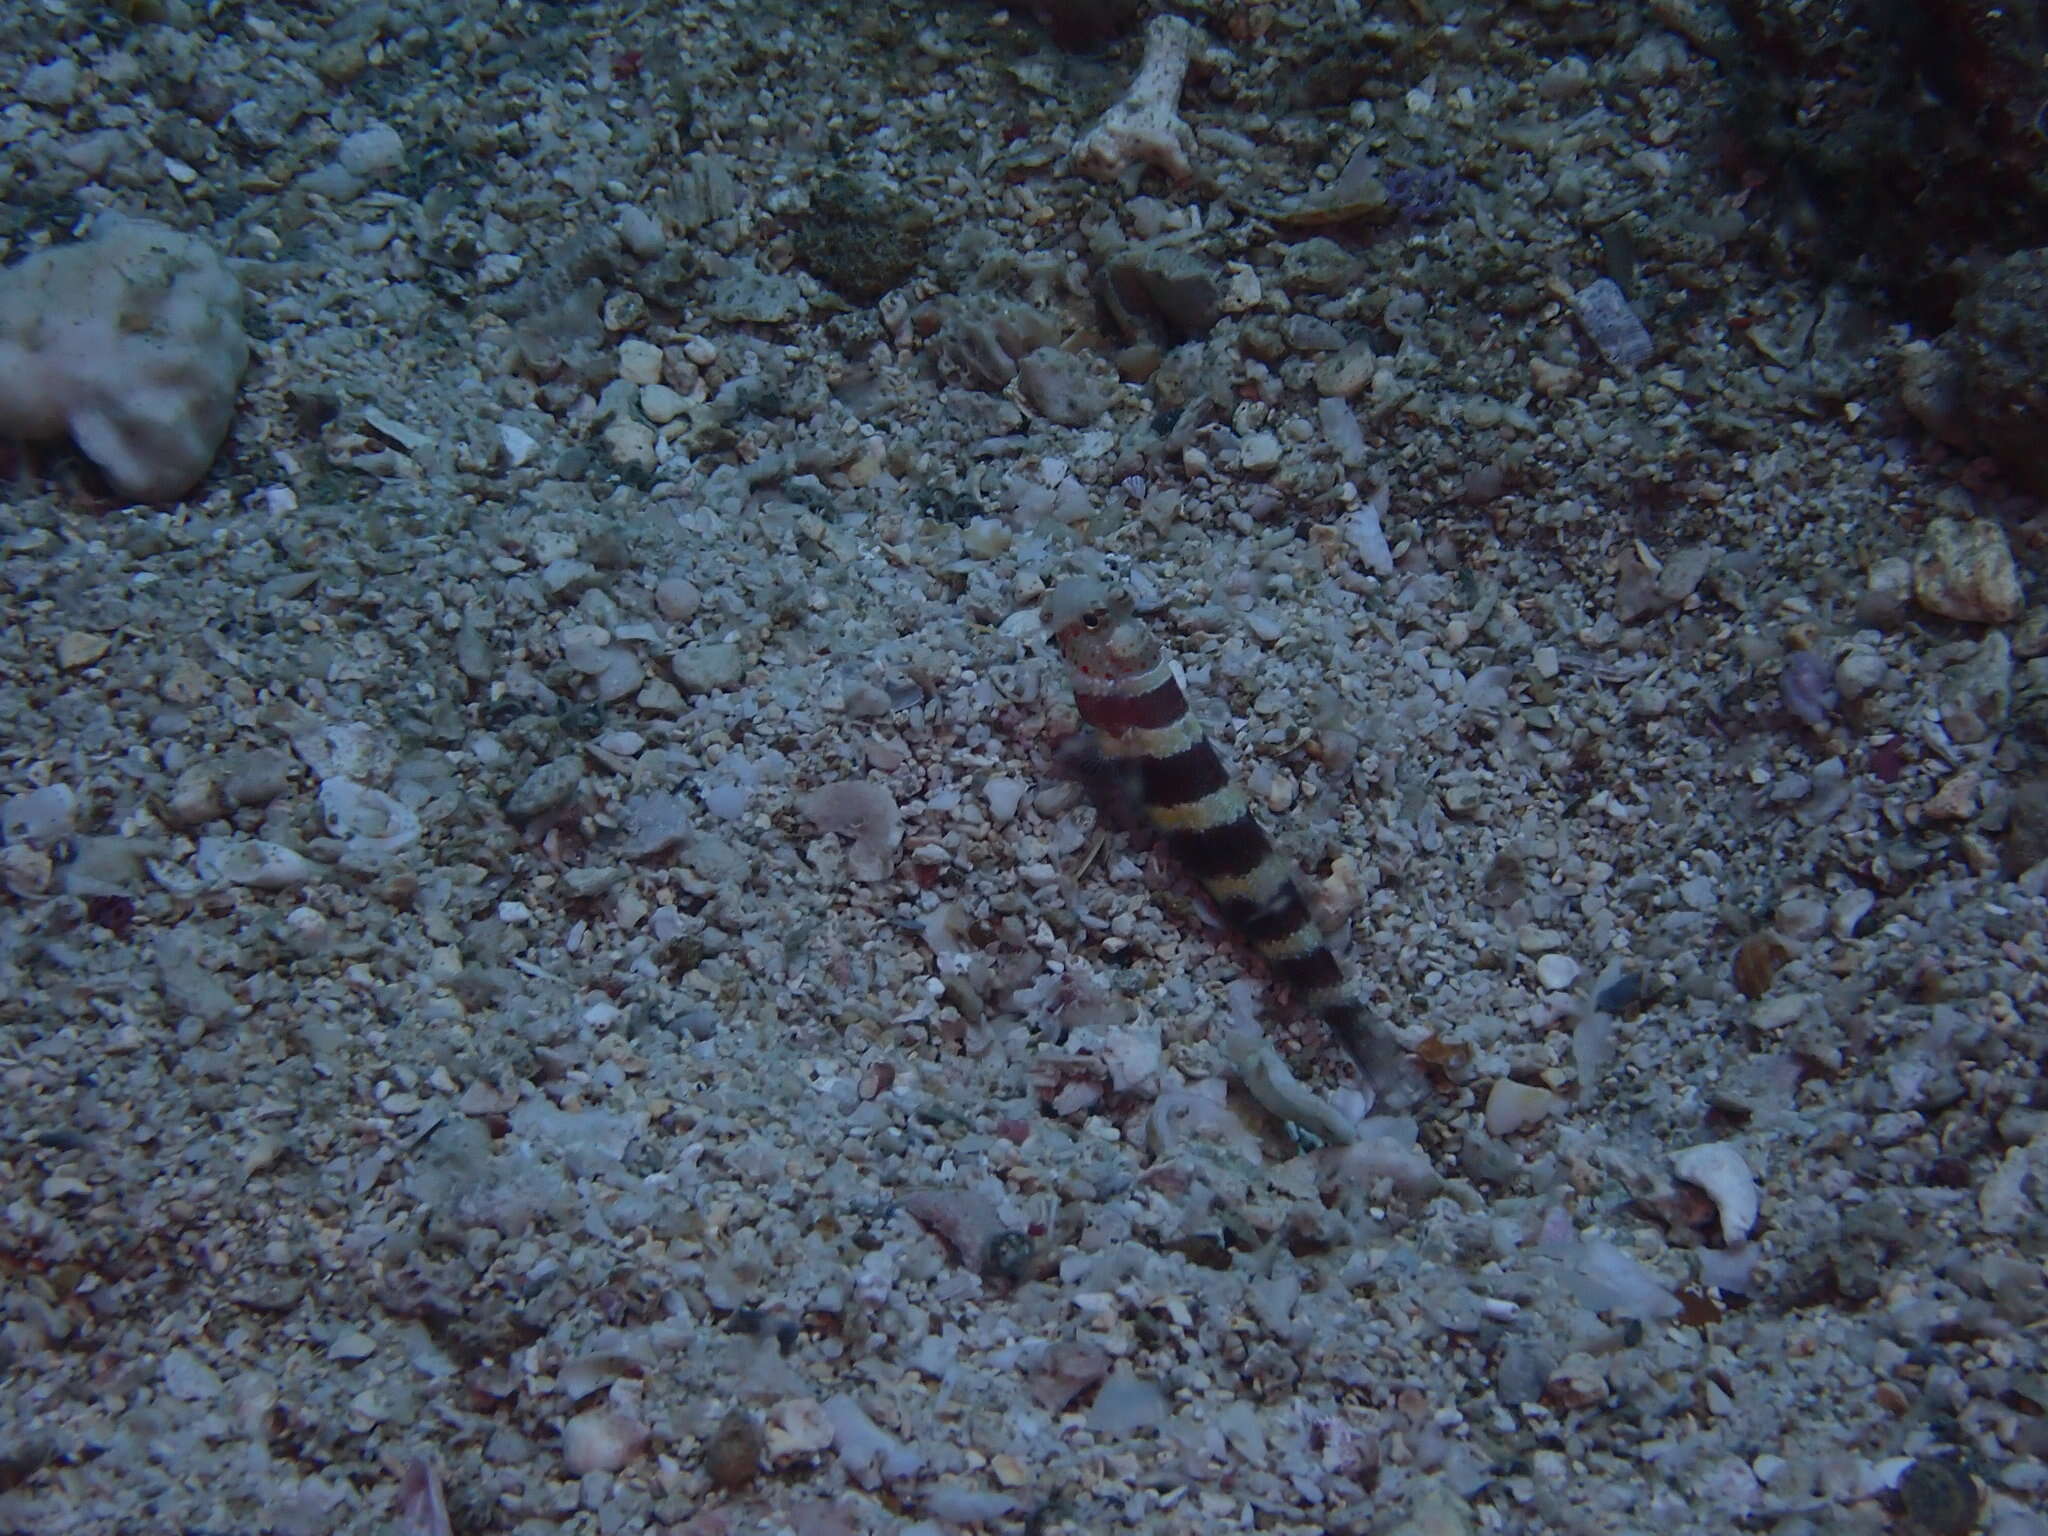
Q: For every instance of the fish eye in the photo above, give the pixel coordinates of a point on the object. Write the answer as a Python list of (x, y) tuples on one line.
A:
[(1092, 619)]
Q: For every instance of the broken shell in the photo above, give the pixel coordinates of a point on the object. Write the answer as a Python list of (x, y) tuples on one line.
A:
[(601, 1441), (255, 862), (1604, 311), (1717, 1167), (1280, 1091), (422, 1506), (797, 1430), (24, 871), (373, 824), (595, 1371)]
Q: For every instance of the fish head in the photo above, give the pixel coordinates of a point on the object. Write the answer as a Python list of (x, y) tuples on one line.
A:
[(1096, 627)]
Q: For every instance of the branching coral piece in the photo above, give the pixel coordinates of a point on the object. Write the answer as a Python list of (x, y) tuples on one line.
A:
[(1146, 124)]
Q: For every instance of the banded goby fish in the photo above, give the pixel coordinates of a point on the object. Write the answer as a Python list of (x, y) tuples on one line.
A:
[(1125, 688)]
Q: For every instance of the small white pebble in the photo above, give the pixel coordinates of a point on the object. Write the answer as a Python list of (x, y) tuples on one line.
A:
[(728, 802), (371, 152), (514, 912), (641, 231), (519, 446), (1004, 796), (1513, 1106), (306, 930), (1556, 972), (660, 404)]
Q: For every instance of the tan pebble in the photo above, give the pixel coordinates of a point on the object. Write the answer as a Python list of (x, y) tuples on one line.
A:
[(865, 465), (1346, 372), (196, 797), (1280, 794), (1552, 379), (1578, 1382), (660, 404), (80, 648), (639, 361), (630, 443), (677, 598), (1964, 570), (1513, 1106), (186, 684), (1956, 800), (1859, 672), (1008, 1470)]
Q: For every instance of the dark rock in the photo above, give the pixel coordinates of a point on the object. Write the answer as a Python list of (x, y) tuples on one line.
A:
[(2025, 842), (860, 239), (1079, 25), (1163, 293), (2002, 337), (1899, 139)]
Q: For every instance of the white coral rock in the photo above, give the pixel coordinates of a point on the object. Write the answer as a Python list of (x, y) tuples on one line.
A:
[(132, 343), (1146, 124), (1718, 1168)]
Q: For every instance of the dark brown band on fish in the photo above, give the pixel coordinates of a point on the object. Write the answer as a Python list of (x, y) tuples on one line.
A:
[(1223, 852), (1278, 920), (1114, 713), (1309, 973), (1185, 777)]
